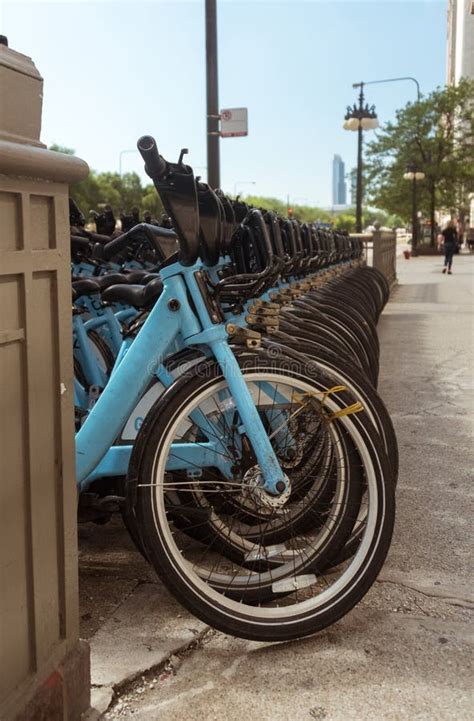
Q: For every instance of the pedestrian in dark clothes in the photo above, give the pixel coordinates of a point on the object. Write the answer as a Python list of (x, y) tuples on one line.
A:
[(450, 237)]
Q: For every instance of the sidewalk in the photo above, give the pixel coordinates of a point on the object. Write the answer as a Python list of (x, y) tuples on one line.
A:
[(404, 652)]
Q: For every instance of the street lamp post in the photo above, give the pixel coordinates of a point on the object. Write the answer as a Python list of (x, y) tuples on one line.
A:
[(359, 118), (394, 80), (414, 175), (212, 101), (354, 120), (123, 152)]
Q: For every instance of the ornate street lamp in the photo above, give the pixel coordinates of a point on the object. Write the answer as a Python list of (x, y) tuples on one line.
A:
[(359, 118), (413, 174)]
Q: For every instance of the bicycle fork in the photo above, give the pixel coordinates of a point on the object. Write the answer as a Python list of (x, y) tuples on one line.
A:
[(274, 479)]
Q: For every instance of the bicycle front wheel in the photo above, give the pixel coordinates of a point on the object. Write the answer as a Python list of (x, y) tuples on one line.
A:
[(211, 536)]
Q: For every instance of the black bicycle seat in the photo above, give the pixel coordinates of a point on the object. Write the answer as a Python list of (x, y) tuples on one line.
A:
[(86, 286), (140, 296), (105, 281), (136, 276)]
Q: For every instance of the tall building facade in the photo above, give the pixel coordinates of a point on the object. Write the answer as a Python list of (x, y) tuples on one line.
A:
[(338, 181), (460, 50), (460, 53)]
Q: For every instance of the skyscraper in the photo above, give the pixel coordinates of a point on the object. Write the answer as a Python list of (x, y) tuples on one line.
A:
[(460, 55), (338, 181)]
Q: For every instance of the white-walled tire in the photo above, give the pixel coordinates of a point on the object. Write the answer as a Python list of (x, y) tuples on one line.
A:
[(299, 596)]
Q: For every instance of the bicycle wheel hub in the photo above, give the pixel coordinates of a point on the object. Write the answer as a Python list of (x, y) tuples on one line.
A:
[(253, 482)]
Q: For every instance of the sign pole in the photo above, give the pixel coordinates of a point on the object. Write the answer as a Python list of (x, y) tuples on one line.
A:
[(213, 160)]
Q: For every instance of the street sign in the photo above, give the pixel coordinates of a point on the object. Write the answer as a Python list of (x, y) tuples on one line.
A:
[(234, 122)]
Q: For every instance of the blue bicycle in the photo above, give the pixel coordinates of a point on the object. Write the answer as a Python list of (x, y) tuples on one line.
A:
[(250, 473)]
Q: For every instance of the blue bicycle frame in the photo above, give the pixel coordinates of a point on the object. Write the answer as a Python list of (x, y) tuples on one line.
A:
[(171, 316)]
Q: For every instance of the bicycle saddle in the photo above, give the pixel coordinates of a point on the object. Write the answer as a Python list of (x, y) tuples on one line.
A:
[(140, 277), (85, 286), (135, 277), (148, 278), (104, 281), (140, 296)]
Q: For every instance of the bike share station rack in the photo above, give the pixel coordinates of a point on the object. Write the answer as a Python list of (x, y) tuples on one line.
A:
[(281, 318)]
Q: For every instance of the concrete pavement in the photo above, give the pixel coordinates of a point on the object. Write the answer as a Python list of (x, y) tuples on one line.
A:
[(405, 651)]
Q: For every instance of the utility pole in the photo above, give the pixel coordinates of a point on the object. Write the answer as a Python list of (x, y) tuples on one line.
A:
[(414, 220), (213, 133), (360, 180)]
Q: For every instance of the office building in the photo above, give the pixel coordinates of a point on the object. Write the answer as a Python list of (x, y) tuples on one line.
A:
[(338, 181), (460, 50)]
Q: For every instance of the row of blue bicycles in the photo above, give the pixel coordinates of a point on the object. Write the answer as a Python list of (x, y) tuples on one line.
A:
[(225, 367)]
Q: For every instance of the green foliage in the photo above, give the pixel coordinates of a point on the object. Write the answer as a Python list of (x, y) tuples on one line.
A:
[(121, 192), (345, 221), (62, 149), (394, 221), (437, 136), (305, 213), (151, 201)]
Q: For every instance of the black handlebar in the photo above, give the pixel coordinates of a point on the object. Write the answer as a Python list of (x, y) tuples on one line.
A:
[(155, 165), (177, 189), (138, 233), (79, 243)]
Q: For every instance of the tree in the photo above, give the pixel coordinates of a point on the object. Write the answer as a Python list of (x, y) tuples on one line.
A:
[(122, 192), (151, 201), (62, 149), (436, 135), (345, 221), (305, 213)]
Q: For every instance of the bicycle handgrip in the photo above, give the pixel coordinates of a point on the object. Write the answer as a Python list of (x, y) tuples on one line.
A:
[(155, 164), (138, 233), (114, 246), (78, 242)]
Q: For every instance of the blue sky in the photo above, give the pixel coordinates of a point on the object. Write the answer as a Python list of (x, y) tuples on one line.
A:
[(116, 70)]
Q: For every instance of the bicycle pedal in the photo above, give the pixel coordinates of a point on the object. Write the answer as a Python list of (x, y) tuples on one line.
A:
[(94, 509), (110, 504)]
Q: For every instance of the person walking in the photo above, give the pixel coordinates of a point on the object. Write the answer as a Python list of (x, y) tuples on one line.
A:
[(450, 238)]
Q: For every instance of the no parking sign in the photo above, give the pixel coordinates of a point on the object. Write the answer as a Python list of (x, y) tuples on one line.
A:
[(234, 122)]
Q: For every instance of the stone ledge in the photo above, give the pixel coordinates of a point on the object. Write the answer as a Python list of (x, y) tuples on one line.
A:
[(21, 160)]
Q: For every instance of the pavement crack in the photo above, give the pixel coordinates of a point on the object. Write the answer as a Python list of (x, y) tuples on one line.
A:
[(452, 600), (164, 669)]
